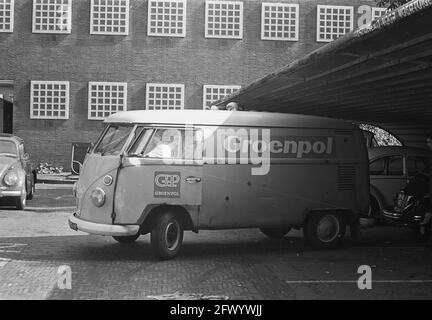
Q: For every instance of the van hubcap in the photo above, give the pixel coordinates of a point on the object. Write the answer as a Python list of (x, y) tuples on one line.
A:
[(328, 228), (172, 235)]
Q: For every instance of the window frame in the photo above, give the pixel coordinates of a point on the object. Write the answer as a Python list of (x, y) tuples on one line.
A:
[(105, 83), (67, 100), (162, 85), (92, 25), (12, 13), (69, 18), (233, 37), (377, 9), (280, 4), (184, 20), (338, 7), (215, 86)]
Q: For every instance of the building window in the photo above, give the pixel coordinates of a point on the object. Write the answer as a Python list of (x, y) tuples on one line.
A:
[(110, 17), (279, 21), (213, 93), (160, 96), (333, 22), (49, 100), (6, 15), (52, 16), (224, 19), (167, 18), (106, 98), (377, 13)]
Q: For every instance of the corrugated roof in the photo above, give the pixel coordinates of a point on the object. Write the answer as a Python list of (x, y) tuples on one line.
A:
[(379, 74)]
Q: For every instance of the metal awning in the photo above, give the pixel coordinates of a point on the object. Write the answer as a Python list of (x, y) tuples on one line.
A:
[(380, 74)]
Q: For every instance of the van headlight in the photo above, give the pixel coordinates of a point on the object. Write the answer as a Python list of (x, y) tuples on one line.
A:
[(11, 178), (98, 197)]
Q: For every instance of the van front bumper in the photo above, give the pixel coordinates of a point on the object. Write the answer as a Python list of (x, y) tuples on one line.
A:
[(102, 229)]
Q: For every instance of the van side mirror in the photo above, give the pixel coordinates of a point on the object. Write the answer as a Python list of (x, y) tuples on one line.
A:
[(26, 156), (90, 147)]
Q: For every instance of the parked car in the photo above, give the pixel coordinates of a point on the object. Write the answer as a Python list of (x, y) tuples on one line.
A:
[(17, 173), (389, 170)]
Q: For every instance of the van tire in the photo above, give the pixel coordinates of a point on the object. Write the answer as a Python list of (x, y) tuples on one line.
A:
[(275, 233), (167, 236), (324, 230), (126, 239)]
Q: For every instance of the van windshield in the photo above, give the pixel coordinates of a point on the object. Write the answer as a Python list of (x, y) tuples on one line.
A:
[(113, 140)]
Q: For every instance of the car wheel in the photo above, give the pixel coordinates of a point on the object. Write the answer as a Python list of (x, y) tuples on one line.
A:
[(275, 233), (374, 209), (127, 239), (324, 230), (32, 191), (167, 236), (20, 202)]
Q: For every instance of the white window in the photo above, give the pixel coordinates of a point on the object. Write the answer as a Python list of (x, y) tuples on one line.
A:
[(213, 93), (52, 16), (106, 98), (6, 15), (167, 18), (49, 100), (110, 17), (224, 19), (378, 12), (161, 96), (333, 22), (279, 21)]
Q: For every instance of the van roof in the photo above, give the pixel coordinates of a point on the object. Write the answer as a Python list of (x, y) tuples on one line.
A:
[(227, 118)]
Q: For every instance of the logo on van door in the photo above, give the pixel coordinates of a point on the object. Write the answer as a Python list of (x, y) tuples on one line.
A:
[(167, 184)]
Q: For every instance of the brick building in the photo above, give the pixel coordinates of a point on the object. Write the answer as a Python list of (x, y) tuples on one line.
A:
[(66, 64)]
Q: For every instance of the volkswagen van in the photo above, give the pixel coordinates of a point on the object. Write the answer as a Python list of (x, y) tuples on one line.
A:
[(164, 172)]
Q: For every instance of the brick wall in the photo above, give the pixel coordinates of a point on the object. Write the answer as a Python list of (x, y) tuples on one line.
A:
[(136, 59)]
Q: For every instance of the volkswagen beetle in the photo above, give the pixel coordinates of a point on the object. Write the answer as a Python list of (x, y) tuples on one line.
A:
[(17, 176)]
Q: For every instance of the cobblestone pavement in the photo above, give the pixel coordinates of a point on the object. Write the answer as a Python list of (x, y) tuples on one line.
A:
[(238, 264)]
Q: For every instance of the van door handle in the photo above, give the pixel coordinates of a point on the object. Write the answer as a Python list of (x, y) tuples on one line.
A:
[(193, 179)]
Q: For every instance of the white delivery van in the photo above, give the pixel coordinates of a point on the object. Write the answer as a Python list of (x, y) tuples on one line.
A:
[(163, 172)]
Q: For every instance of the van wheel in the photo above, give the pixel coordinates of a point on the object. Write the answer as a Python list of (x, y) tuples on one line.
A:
[(275, 233), (167, 236), (126, 239), (324, 230)]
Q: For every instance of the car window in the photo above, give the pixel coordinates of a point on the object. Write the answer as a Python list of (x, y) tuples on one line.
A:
[(174, 143), (417, 164), (395, 166), (8, 147), (377, 167)]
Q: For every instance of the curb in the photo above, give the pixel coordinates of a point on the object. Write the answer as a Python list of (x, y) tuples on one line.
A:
[(55, 181), (51, 209)]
